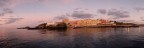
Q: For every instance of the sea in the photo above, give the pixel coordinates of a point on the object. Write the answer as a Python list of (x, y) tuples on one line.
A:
[(73, 38)]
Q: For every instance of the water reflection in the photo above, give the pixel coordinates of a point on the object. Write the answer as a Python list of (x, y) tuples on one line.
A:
[(73, 38)]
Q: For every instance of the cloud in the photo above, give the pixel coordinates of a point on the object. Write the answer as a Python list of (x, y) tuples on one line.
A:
[(12, 20), (9, 3), (114, 13), (5, 6), (142, 18), (6, 11), (102, 11), (138, 9), (60, 17), (60, 0), (68, 1), (81, 15), (42, 0), (77, 8), (118, 13), (4, 3), (78, 13)]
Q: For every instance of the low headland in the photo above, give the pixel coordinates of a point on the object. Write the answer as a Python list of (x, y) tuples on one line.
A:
[(85, 23)]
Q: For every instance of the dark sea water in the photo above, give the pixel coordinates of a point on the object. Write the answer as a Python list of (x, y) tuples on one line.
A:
[(73, 38)]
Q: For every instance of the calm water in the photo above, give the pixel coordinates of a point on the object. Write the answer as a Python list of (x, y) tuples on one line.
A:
[(73, 38)]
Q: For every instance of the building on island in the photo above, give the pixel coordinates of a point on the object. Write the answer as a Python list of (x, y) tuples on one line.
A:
[(86, 22), (83, 23)]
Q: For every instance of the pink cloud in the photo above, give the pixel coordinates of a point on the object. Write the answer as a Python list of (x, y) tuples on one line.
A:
[(68, 1), (52, 2)]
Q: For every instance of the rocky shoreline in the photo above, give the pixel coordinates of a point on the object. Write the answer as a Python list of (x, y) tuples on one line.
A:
[(68, 24), (63, 26), (59, 26)]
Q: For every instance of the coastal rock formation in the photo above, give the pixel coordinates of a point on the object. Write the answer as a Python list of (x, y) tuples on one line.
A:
[(60, 25), (82, 23)]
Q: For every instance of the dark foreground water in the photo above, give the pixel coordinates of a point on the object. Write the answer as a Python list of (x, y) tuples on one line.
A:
[(73, 38)]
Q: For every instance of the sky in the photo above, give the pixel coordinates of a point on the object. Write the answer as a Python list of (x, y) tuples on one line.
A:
[(15, 13)]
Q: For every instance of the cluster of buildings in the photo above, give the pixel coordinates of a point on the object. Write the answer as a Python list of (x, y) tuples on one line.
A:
[(87, 22), (66, 23)]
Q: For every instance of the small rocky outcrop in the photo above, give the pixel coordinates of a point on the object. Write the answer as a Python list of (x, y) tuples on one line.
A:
[(60, 25)]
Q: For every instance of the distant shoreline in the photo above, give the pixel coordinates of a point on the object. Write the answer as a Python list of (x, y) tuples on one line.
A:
[(86, 23), (98, 26)]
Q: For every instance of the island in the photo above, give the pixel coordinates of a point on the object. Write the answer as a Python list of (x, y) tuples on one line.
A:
[(84, 23)]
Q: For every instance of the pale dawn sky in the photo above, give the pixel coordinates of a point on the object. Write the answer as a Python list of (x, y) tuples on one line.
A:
[(33, 12)]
